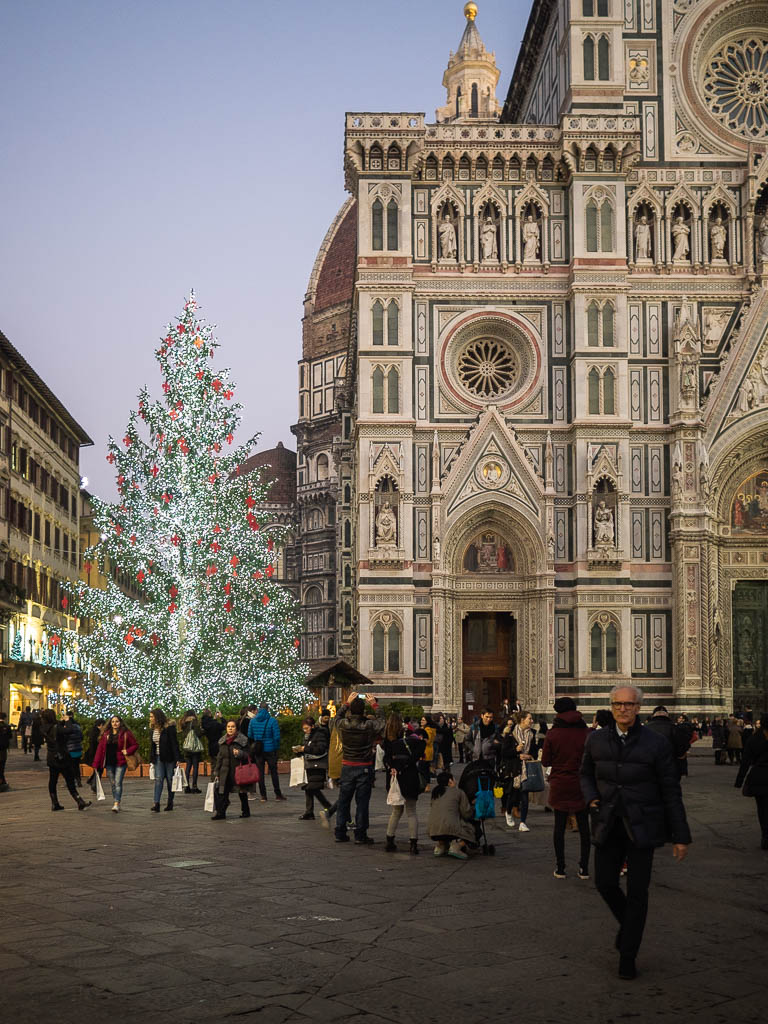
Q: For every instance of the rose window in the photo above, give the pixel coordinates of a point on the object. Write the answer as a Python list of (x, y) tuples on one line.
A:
[(736, 86), (488, 367)]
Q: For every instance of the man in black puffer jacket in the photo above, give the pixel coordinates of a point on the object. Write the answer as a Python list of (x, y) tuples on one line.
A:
[(629, 780)]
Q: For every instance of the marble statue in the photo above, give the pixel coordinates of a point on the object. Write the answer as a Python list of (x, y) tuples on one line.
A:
[(642, 239), (447, 238), (763, 239), (488, 240), (386, 527), (531, 237), (704, 480), (604, 528), (677, 480), (680, 235), (746, 399), (551, 546), (717, 239)]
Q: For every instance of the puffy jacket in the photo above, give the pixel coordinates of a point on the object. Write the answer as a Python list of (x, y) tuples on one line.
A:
[(754, 766), (677, 736), (265, 729), (73, 738), (316, 748), (635, 780), (563, 751), (358, 736)]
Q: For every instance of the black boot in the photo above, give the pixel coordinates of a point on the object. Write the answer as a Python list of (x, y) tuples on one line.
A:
[(390, 847), (414, 850), (245, 811), (82, 804), (55, 805), (169, 805), (156, 808), (214, 817)]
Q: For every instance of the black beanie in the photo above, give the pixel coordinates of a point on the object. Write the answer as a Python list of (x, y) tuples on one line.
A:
[(563, 704)]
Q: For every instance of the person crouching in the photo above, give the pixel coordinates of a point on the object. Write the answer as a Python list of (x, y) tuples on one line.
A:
[(233, 751), (449, 824)]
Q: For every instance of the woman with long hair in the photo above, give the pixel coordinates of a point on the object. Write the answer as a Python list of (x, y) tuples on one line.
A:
[(117, 743), (450, 818), (58, 760), (525, 748), (164, 755), (402, 758), (193, 748), (233, 751), (427, 732)]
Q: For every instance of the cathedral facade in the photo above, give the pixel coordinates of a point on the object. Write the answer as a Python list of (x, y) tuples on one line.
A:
[(533, 395)]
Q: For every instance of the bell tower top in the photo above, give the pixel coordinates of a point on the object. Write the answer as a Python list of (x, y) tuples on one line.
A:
[(470, 78)]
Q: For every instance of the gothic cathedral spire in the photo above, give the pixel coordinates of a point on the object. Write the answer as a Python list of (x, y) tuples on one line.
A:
[(470, 78)]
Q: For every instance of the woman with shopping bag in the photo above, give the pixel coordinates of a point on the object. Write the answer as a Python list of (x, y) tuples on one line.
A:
[(116, 744), (401, 758), (164, 755), (232, 754), (192, 746), (315, 751)]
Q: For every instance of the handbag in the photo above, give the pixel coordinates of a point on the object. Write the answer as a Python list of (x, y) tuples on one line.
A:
[(533, 777), (485, 804), (394, 797), (247, 774), (192, 744), (132, 761)]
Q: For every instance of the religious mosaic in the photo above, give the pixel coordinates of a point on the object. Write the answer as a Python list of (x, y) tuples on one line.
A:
[(749, 511)]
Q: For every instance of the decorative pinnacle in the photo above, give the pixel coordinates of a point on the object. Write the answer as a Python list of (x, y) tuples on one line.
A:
[(470, 11)]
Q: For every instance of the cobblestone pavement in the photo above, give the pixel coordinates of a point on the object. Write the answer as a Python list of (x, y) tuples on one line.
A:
[(174, 918)]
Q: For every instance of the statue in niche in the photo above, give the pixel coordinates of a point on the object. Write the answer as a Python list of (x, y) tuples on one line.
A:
[(680, 235), (531, 239), (447, 238), (386, 527), (677, 479), (642, 239), (605, 532), (718, 235), (488, 240), (688, 377), (704, 481), (763, 238), (747, 395), (436, 549), (551, 546)]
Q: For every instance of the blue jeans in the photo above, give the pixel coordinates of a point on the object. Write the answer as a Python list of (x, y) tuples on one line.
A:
[(116, 776), (354, 782), (164, 772)]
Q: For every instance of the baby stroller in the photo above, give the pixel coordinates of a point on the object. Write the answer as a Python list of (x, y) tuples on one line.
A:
[(479, 778)]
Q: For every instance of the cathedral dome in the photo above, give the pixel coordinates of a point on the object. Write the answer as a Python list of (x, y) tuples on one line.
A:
[(332, 281)]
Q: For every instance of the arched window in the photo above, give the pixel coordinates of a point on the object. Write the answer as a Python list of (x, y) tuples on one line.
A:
[(377, 224), (393, 654), (393, 391), (347, 534), (603, 59), (347, 494), (392, 243), (347, 613), (604, 645), (379, 637), (458, 101), (592, 226), (313, 615), (589, 59), (322, 467), (599, 223), (594, 392), (347, 576), (378, 390), (377, 317), (474, 103), (607, 325), (593, 324), (375, 158), (588, 8), (393, 158), (393, 323), (331, 645), (602, 8), (609, 389), (606, 227)]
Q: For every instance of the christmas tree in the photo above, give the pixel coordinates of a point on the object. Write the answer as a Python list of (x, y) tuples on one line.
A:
[(210, 624)]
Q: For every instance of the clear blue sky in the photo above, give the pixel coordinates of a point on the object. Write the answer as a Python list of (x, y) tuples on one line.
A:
[(152, 146)]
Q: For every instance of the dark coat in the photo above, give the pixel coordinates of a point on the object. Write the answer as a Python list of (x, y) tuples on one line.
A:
[(444, 741), (755, 761), (169, 746), (563, 752), (214, 730), (636, 781), (316, 756), (5, 735), (37, 730), (358, 736), (678, 736), (230, 755), (403, 755), (74, 738), (56, 742)]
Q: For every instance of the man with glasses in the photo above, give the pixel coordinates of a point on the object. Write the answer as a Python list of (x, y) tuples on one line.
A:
[(630, 783)]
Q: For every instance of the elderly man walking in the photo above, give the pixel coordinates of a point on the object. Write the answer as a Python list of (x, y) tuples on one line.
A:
[(629, 780)]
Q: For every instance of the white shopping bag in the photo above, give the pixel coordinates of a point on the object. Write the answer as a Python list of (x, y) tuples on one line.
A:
[(99, 788), (152, 772), (298, 775), (330, 784), (379, 765), (178, 780), (209, 804), (395, 798)]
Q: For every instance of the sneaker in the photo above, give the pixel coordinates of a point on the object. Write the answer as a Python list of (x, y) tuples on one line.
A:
[(306, 817), (523, 827), (364, 841), (457, 851), (116, 807), (280, 797), (510, 820), (263, 799), (559, 873), (439, 850), (341, 839), (583, 874)]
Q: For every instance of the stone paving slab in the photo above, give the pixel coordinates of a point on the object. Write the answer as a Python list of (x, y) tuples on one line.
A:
[(173, 918)]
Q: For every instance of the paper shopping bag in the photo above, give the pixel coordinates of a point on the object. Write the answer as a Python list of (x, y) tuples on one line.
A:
[(98, 787), (298, 775), (209, 804), (178, 781)]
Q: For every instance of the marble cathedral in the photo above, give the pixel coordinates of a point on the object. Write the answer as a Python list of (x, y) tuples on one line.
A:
[(533, 394)]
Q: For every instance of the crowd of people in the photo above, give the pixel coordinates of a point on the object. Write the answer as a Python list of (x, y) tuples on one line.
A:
[(614, 780)]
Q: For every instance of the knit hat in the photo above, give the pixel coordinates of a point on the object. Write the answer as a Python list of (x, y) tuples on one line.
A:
[(563, 704)]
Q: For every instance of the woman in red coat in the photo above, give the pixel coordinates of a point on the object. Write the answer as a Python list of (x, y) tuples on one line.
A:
[(563, 751), (116, 742)]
